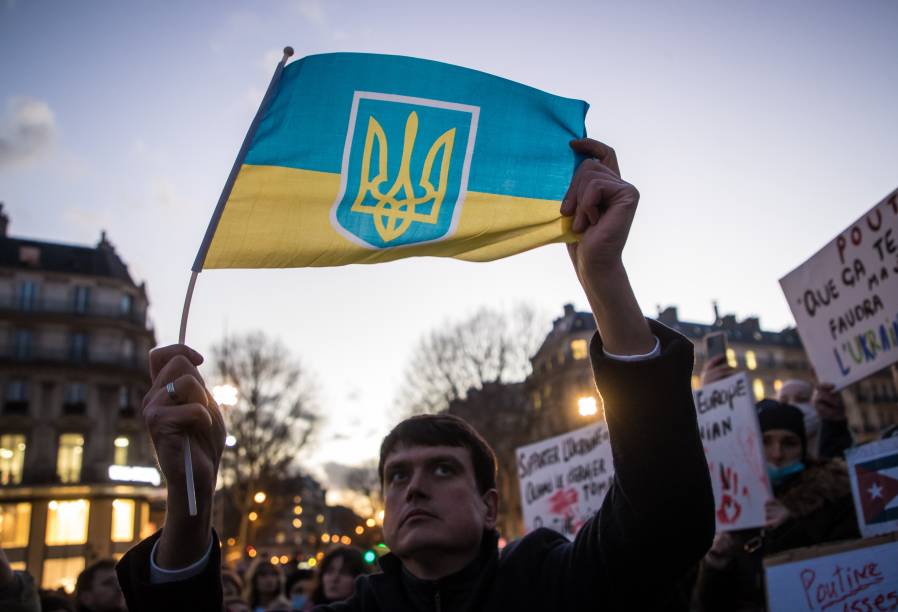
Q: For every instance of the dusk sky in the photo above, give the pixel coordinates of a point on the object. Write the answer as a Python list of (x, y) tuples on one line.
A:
[(755, 131)]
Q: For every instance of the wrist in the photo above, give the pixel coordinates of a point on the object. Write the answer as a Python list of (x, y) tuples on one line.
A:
[(184, 538)]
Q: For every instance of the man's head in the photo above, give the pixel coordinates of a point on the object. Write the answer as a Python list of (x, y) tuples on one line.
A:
[(439, 481), (97, 589)]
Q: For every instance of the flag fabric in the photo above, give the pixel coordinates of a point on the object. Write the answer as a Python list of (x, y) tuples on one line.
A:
[(877, 483), (362, 158), (873, 469)]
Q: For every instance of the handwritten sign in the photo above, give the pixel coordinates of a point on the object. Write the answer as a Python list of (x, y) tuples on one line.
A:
[(730, 434), (874, 482), (845, 298), (853, 577), (564, 479)]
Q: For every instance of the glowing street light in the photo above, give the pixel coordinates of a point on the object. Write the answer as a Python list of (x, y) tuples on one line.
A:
[(225, 395), (371, 522), (359, 530), (253, 516), (587, 406), (230, 440), (260, 497)]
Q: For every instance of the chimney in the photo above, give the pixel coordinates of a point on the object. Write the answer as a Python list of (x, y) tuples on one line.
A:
[(4, 222), (568, 310), (716, 311)]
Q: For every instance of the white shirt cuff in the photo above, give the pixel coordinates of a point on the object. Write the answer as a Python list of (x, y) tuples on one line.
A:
[(159, 575), (650, 355)]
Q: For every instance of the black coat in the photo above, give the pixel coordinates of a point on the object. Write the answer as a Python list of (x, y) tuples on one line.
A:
[(656, 522)]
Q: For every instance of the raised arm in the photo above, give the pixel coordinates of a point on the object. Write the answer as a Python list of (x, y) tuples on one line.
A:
[(178, 568), (658, 517)]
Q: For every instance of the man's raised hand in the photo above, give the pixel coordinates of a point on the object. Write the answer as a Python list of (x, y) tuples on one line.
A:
[(190, 410)]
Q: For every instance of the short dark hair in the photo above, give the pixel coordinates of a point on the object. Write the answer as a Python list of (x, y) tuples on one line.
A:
[(85, 581), (443, 430)]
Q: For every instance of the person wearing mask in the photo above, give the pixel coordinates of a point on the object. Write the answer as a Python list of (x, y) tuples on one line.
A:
[(812, 504), (825, 422), (264, 590), (97, 589), (336, 575), (300, 585), (438, 475)]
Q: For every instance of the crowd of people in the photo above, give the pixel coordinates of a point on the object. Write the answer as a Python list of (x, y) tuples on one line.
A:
[(259, 587), (651, 546)]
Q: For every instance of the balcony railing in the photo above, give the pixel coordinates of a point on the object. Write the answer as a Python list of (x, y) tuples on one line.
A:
[(68, 307), (67, 356)]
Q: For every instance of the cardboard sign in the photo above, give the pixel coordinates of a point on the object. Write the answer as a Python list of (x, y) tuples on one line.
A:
[(848, 577), (733, 447), (845, 298), (874, 482), (564, 479)]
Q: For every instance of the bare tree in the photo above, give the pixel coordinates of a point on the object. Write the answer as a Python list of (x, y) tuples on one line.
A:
[(486, 347), (362, 481), (274, 418)]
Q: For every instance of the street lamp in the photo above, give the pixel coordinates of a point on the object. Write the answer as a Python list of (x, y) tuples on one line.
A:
[(587, 406), (260, 497), (225, 395)]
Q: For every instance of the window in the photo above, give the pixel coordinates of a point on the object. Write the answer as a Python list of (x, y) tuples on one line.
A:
[(750, 361), (696, 382), (15, 523), (579, 350), (68, 459), (23, 344), (128, 349), (82, 299), (27, 295), (777, 385), (79, 346), (124, 399), (121, 450), (16, 397), (122, 520), (62, 573), (67, 522), (537, 401), (126, 304), (12, 458), (75, 399), (731, 358), (758, 388), (30, 255)]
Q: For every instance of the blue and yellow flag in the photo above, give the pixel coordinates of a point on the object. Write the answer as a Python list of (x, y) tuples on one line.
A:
[(360, 158)]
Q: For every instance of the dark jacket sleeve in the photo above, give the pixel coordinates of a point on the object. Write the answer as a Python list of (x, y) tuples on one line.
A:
[(657, 520), (835, 439), (202, 593)]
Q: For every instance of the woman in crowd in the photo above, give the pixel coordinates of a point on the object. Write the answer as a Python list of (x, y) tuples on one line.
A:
[(300, 585), (336, 575), (264, 589), (812, 504)]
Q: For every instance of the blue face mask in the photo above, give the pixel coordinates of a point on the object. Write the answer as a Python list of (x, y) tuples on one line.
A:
[(778, 475), (298, 602)]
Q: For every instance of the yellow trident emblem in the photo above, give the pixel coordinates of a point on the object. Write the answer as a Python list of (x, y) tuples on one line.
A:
[(393, 216)]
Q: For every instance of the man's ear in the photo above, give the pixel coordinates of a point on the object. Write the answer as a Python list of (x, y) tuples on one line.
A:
[(491, 501)]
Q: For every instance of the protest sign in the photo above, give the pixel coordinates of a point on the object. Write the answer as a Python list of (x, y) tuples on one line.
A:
[(732, 441), (856, 576), (845, 298), (564, 479), (874, 482)]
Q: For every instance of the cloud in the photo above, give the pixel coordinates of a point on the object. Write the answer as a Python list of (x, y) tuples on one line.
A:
[(27, 131), (313, 12)]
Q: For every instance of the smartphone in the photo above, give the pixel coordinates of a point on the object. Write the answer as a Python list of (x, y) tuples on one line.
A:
[(715, 344)]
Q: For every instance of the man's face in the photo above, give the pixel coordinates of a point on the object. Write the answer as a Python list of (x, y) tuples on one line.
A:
[(432, 501), (104, 594)]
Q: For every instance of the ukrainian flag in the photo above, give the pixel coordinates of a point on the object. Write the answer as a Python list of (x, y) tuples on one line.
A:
[(361, 158)]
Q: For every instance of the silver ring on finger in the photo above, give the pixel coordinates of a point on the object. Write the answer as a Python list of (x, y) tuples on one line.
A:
[(172, 394)]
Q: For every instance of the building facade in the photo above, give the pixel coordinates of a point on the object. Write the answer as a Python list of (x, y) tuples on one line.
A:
[(76, 466)]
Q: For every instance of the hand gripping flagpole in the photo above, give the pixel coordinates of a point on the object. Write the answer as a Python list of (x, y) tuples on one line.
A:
[(207, 240)]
